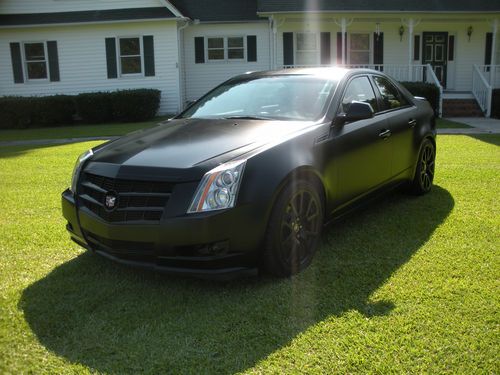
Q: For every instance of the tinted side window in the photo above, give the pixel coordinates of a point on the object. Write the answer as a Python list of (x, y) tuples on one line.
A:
[(391, 97), (359, 89)]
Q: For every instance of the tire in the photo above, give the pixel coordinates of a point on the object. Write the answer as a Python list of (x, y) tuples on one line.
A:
[(424, 173), (294, 228)]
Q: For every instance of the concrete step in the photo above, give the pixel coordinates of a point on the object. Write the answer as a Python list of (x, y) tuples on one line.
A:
[(461, 108)]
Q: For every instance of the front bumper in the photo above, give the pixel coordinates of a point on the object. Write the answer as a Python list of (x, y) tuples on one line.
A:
[(220, 244)]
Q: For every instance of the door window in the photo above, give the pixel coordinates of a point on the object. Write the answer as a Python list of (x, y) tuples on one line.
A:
[(391, 97), (359, 89)]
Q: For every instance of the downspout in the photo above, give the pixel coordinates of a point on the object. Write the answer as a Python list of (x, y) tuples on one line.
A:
[(271, 42), (180, 65)]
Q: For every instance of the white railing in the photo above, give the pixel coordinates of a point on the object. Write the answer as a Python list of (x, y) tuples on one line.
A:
[(430, 77), (491, 74), (401, 73), (481, 90)]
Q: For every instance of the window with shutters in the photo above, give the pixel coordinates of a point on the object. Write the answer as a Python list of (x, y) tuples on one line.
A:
[(230, 48), (307, 49), (359, 49), (35, 60), (131, 56)]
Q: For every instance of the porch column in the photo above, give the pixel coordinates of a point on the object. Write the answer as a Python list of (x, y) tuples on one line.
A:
[(343, 25), (411, 25), (494, 53)]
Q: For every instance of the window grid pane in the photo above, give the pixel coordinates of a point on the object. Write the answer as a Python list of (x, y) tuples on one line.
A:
[(36, 64), (359, 51), (130, 47), (130, 56)]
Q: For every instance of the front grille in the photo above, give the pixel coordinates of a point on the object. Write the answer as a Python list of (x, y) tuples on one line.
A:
[(118, 247), (136, 200)]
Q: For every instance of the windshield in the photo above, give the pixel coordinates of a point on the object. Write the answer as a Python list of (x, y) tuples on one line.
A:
[(283, 97)]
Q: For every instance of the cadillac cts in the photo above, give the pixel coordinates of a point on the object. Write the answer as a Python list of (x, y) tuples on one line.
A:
[(245, 178)]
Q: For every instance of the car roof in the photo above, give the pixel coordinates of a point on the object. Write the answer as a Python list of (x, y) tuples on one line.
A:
[(334, 72)]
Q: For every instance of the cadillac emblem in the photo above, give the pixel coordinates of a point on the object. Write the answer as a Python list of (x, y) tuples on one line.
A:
[(110, 200)]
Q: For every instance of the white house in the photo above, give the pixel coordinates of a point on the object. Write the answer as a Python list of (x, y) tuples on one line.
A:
[(185, 47)]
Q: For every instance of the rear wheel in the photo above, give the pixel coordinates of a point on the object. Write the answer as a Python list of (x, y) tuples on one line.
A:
[(424, 173), (294, 228)]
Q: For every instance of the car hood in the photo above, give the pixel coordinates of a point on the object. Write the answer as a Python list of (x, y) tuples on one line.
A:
[(186, 143)]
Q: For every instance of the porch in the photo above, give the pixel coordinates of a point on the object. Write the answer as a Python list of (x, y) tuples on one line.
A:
[(443, 49)]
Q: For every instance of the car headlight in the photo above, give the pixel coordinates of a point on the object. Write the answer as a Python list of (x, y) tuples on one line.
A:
[(219, 187), (78, 167)]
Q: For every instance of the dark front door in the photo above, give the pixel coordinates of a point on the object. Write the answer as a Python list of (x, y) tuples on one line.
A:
[(435, 51)]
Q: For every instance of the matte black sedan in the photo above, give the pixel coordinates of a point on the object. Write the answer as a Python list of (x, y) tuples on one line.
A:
[(245, 178)]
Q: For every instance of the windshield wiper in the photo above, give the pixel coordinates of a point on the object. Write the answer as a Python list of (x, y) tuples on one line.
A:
[(247, 117)]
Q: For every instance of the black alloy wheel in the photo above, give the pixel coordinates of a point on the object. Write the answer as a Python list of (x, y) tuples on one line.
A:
[(294, 229), (424, 174)]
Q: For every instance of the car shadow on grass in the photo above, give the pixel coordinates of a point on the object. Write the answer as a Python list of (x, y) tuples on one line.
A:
[(119, 320)]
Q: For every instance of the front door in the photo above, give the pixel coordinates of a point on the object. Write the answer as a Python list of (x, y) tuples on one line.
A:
[(435, 51)]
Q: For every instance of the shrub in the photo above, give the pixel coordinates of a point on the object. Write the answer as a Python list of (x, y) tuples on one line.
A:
[(495, 103), (425, 90), (94, 107), (27, 112), (135, 105)]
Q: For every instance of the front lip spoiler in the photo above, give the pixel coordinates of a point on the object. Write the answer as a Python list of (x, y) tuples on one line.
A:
[(212, 274)]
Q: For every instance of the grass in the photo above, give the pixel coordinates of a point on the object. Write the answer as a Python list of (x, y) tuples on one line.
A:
[(408, 285), (77, 131), (114, 129), (442, 123)]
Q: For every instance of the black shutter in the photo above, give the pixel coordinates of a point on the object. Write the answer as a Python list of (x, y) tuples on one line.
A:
[(149, 55), (251, 48), (199, 50), (17, 63), (489, 45), (287, 48), (53, 61), (339, 48), (378, 48), (325, 50), (416, 47), (451, 48), (111, 57)]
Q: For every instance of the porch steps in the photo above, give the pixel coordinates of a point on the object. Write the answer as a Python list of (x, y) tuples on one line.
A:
[(461, 108)]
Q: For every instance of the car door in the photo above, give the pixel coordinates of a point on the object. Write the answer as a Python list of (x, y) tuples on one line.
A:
[(362, 148), (402, 120)]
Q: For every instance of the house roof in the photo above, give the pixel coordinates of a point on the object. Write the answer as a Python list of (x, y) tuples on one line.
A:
[(273, 6), (85, 16), (218, 10)]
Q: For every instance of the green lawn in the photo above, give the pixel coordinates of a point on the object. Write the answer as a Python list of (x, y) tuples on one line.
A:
[(103, 130), (76, 131), (442, 123), (408, 285)]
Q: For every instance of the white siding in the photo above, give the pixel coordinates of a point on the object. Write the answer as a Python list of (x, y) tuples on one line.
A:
[(199, 78), (396, 51), (47, 6), (82, 60)]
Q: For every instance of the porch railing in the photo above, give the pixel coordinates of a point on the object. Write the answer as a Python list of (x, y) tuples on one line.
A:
[(481, 88), (401, 73), (491, 74)]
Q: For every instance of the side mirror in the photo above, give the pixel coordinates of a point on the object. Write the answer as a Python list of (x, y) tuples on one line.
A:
[(357, 111)]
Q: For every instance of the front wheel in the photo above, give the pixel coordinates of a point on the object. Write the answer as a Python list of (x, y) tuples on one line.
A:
[(294, 229), (424, 173)]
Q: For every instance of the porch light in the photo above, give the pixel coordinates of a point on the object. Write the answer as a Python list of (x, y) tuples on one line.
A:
[(377, 29), (401, 32), (469, 32)]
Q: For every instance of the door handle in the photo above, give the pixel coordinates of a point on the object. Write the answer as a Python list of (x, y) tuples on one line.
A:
[(385, 133), (412, 123)]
